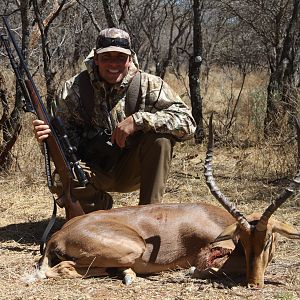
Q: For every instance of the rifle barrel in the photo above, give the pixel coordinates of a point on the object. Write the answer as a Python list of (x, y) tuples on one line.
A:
[(24, 67)]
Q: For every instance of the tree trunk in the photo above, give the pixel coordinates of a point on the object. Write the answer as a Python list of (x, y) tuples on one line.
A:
[(194, 72), (12, 125), (291, 61), (284, 79), (110, 14)]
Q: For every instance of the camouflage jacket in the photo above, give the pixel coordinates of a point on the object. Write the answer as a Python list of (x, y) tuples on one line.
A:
[(161, 109)]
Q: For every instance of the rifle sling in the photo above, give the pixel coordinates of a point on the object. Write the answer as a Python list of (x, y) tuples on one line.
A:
[(48, 228), (50, 185), (133, 95)]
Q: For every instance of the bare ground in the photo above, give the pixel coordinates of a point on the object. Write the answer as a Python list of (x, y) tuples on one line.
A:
[(249, 177)]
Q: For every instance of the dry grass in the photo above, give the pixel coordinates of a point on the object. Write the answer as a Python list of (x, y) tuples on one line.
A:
[(250, 176), (220, 95)]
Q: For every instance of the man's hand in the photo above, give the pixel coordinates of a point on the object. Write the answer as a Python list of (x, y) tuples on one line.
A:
[(41, 130), (123, 130)]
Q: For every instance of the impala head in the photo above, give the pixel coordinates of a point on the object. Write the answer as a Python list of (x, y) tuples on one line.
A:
[(257, 233)]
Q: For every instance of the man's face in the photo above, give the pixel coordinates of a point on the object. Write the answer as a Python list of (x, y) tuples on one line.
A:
[(113, 66)]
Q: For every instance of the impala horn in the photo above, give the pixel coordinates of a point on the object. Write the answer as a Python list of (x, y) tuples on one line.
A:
[(210, 181)]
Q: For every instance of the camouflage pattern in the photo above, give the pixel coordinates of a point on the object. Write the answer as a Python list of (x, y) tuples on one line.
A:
[(161, 109), (113, 39)]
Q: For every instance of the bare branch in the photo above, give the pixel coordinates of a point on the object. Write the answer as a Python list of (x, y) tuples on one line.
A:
[(48, 20), (110, 14), (91, 15), (4, 102)]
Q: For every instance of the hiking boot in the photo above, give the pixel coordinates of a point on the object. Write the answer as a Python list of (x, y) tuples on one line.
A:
[(101, 201)]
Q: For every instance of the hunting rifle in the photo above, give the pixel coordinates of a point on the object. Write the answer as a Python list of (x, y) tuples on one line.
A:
[(57, 144)]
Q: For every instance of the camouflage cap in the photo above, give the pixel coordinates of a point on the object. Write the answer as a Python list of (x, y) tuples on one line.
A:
[(113, 39)]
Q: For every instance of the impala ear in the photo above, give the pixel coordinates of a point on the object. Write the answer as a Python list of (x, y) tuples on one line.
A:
[(228, 238), (285, 229), (224, 244)]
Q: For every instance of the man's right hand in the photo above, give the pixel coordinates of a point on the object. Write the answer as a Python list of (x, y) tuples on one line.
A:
[(41, 130)]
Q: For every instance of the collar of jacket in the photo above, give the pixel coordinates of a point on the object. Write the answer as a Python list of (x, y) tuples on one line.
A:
[(98, 83)]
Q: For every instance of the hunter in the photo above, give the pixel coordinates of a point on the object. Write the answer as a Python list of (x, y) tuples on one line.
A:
[(123, 122)]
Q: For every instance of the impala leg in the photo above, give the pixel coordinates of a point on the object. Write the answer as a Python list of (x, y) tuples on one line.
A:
[(65, 269), (129, 276), (68, 269)]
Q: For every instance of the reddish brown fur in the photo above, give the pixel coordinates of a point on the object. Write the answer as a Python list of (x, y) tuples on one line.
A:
[(152, 238), (147, 239)]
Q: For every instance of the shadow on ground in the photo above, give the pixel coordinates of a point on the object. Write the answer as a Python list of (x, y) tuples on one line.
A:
[(29, 232)]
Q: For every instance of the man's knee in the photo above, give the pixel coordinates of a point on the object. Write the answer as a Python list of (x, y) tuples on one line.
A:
[(156, 159), (156, 143)]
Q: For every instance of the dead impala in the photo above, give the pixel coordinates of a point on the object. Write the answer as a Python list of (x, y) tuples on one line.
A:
[(152, 238)]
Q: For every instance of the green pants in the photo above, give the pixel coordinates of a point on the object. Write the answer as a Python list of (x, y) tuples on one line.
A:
[(144, 165)]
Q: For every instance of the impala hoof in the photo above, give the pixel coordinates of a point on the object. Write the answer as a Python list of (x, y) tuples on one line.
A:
[(129, 276), (191, 271), (127, 280)]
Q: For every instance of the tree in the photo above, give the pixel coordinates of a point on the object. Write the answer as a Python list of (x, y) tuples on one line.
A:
[(11, 123), (194, 71), (290, 60), (44, 25), (276, 26), (156, 28), (110, 14), (8, 126)]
